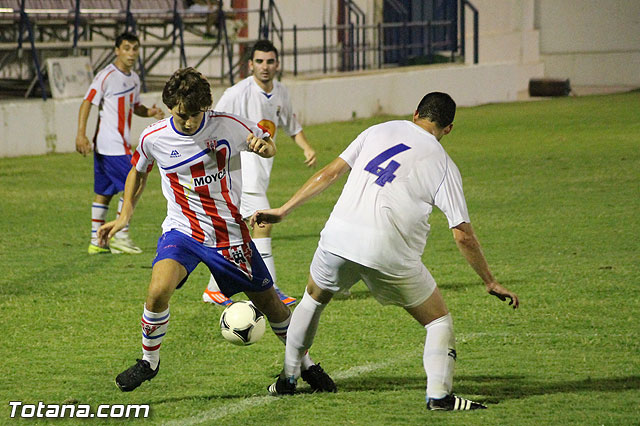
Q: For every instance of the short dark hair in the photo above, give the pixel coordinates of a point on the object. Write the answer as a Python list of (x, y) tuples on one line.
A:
[(438, 108), (130, 37), (188, 87), (263, 46)]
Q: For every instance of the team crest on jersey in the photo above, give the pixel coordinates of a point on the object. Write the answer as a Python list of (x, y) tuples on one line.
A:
[(174, 154), (268, 125), (211, 144)]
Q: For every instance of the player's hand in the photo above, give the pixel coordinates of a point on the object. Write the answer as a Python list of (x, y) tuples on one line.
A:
[(156, 112), (259, 146), (262, 217), (107, 231), (309, 157), (83, 146), (503, 294)]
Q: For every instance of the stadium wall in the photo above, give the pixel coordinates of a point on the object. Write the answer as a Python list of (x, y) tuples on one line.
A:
[(590, 42), (33, 127)]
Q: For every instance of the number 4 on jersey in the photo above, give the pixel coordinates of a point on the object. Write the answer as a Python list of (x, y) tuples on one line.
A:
[(385, 175)]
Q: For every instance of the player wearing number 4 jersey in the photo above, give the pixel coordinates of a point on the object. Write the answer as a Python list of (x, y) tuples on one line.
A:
[(377, 233), (198, 155), (116, 92)]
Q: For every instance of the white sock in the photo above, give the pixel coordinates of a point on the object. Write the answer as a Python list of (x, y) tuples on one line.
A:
[(439, 357), (154, 327), (124, 232), (213, 285), (304, 324), (264, 248), (98, 216), (280, 329)]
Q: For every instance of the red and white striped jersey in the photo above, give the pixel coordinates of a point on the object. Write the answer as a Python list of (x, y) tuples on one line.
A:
[(201, 175), (116, 94)]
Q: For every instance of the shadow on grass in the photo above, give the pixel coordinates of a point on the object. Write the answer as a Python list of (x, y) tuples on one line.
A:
[(491, 389), (501, 388)]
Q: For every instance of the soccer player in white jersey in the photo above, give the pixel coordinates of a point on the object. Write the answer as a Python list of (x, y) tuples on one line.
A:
[(264, 100), (116, 92), (198, 155), (377, 233)]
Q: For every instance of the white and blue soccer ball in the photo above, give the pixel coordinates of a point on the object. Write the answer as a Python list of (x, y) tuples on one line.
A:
[(242, 324)]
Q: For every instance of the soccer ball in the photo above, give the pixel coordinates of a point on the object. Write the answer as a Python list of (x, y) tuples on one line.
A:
[(242, 324)]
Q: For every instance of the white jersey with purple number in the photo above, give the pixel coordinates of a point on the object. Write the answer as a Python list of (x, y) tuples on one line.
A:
[(116, 94), (399, 172), (271, 111), (201, 177)]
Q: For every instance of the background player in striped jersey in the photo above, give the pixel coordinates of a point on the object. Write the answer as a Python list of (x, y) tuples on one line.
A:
[(198, 155), (377, 231), (266, 101), (116, 92)]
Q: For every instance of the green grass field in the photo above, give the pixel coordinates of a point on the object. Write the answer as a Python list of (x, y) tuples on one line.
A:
[(553, 189)]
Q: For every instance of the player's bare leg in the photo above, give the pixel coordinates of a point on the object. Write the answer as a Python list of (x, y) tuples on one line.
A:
[(165, 277), (439, 355)]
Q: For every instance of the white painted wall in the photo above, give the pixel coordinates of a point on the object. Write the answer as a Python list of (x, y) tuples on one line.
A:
[(591, 42), (315, 101)]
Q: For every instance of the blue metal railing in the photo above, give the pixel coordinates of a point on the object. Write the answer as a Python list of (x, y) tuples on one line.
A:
[(463, 41)]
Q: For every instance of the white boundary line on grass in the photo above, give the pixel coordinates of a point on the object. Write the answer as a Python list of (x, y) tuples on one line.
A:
[(255, 401)]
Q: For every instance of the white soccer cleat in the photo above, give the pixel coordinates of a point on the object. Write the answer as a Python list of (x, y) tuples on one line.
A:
[(123, 245)]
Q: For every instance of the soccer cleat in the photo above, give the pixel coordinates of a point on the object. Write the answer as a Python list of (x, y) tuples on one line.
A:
[(94, 249), (318, 379), (287, 300), (282, 386), (133, 376), (124, 245), (453, 403), (215, 297)]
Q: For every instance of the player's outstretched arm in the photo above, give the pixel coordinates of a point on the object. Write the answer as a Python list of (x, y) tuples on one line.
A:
[(83, 146), (470, 248), (133, 188), (142, 111), (309, 153), (265, 148), (312, 187)]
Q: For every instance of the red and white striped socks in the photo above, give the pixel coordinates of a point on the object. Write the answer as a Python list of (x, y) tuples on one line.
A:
[(154, 327)]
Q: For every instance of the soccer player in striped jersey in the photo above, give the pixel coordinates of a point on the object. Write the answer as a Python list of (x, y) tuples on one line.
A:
[(377, 232), (197, 152), (266, 101), (116, 92)]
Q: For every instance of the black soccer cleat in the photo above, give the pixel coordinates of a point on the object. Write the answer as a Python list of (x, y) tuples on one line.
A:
[(283, 386), (453, 403), (318, 379), (133, 376)]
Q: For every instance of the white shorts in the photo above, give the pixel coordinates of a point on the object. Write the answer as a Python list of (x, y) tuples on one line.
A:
[(252, 202), (334, 273)]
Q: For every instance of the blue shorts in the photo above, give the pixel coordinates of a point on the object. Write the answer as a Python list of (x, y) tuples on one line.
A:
[(236, 269), (110, 173)]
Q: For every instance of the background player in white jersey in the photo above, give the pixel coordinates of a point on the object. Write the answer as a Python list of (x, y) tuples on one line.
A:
[(198, 155), (264, 100), (116, 92), (377, 232)]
